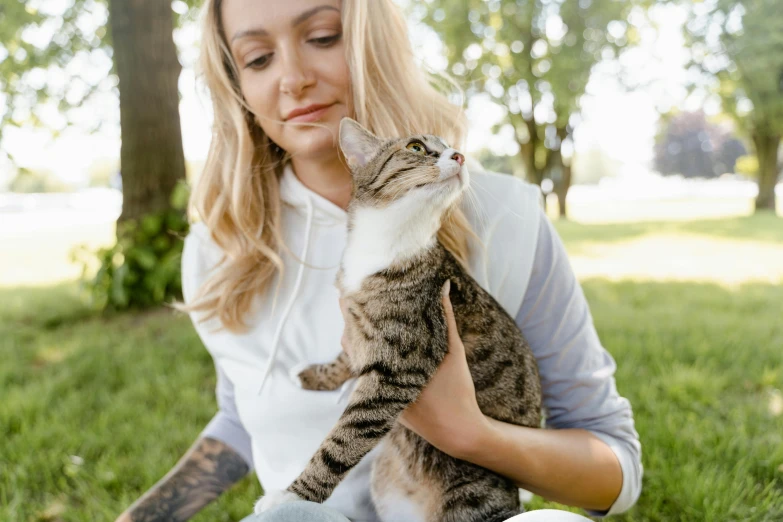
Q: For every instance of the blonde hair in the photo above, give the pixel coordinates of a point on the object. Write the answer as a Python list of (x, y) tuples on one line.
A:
[(237, 194)]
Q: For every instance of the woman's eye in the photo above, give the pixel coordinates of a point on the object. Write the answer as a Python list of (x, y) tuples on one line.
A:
[(326, 41), (416, 147), (260, 62)]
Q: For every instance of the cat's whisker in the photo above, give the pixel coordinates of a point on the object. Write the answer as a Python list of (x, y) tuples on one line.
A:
[(472, 200)]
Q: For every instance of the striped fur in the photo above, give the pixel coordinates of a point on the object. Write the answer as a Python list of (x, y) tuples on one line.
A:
[(397, 326)]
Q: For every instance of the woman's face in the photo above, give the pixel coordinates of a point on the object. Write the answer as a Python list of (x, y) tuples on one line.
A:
[(292, 69)]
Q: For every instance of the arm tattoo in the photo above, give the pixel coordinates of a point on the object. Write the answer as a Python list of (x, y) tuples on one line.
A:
[(208, 470)]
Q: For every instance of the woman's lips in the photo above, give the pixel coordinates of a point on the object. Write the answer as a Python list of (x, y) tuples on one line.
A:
[(310, 116)]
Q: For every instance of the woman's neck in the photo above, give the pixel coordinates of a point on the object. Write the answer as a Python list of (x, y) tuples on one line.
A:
[(329, 178)]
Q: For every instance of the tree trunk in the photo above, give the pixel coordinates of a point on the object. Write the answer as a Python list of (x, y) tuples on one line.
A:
[(151, 158), (767, 154), (564, 179), (527, 152), (562, 190)]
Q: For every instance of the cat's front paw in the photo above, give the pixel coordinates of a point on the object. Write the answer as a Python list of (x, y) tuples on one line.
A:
[(313, 378), (274, 499)]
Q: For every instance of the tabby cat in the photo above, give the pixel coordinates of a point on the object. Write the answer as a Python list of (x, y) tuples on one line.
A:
[(392, 272)]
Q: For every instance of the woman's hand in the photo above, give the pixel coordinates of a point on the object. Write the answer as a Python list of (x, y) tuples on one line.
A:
[(446, 413)]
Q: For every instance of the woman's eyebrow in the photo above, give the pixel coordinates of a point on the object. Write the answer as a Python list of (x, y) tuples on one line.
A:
[(296, 21), (310, 12)]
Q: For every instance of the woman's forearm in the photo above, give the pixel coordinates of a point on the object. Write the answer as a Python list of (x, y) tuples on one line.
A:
[(569, 466), (208, 469)]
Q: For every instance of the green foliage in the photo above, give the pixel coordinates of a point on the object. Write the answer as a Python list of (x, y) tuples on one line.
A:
[(41, 53), (37, 181), (534, 58), (739, 45), (37, 47), (497, 162), (748, 165), (142, 268)]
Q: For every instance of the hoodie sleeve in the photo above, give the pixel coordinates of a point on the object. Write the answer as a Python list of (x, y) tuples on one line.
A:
[(199, 255), (225, 426), (577, 373)]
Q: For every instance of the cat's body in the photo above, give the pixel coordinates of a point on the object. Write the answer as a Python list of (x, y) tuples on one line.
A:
[(391, 282)]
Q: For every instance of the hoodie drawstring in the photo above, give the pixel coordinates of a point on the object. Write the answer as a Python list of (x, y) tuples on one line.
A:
[(297, 285)]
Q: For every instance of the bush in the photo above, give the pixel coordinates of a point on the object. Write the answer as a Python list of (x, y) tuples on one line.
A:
[(142, 269)]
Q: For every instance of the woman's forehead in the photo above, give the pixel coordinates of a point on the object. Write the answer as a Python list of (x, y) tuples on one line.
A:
[(254, 17)]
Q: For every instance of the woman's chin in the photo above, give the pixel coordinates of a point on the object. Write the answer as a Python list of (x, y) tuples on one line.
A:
[(313, 144)]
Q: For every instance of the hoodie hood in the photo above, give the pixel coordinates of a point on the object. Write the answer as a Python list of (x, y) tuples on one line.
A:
[(317, 211)]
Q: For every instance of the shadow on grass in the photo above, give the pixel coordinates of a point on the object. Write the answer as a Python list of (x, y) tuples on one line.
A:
[(766, 227), (63, 304), (44, 307)]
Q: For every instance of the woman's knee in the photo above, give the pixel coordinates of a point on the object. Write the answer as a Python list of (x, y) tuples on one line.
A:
[(298, 512)]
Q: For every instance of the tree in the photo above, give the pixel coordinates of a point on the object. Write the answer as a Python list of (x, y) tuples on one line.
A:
[(496, 163), (138, 37), (738, 45), (690, 145), (535, 58), (593, 165), (40, 48), (152, 161)]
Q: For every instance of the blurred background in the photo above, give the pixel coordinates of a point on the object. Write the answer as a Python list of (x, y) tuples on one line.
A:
[(653, 127)]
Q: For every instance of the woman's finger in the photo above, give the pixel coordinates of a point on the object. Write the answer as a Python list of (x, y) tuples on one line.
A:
[(451, 322)]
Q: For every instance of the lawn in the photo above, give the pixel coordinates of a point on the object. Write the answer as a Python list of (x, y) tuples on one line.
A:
[(95, 410)]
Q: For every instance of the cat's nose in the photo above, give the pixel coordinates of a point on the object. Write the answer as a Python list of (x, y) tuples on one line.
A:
[(459, 158)]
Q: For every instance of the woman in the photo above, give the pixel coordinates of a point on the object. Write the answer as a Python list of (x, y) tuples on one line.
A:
[(274, 191)]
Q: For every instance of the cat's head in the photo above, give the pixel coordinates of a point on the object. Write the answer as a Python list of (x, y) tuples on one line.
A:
[(422, 170)]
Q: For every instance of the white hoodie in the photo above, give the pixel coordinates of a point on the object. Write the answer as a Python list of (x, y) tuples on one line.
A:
[(264, 412)]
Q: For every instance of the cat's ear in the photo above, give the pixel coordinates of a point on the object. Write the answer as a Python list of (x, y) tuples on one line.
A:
[(357, 143)]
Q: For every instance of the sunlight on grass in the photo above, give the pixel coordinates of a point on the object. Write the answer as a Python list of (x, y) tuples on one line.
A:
[(681, 257), (655, 210)]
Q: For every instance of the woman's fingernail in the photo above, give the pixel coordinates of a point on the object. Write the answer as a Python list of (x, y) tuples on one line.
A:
[(446, 288)]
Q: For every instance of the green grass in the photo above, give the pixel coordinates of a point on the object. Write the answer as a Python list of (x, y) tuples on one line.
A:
[(699, 364), (127, 394), (765, 227)]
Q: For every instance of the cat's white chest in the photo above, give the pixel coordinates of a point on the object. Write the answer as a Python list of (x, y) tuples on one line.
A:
[(382, 236)]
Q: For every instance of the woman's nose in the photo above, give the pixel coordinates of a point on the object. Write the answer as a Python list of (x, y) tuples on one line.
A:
[(296, 76), (459, 158)]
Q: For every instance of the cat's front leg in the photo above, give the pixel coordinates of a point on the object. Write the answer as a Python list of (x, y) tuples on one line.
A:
[(329, 376), (380, 397)]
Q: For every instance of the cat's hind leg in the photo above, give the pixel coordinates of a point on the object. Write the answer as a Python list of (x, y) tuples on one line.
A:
[(396, 492)]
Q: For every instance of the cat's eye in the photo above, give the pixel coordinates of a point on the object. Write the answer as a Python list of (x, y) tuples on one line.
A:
[(417, 147)]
